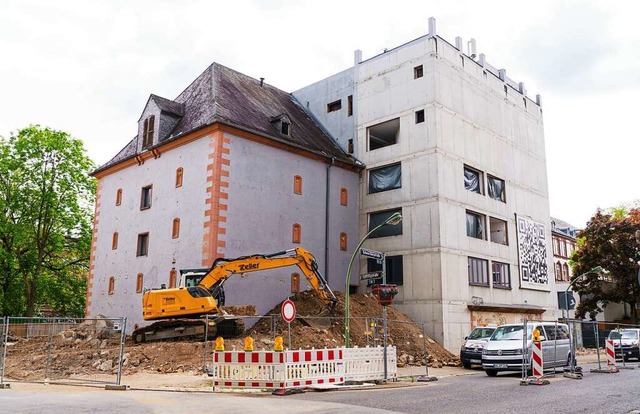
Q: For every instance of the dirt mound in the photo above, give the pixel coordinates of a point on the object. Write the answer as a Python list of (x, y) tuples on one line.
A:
[(93, 347)]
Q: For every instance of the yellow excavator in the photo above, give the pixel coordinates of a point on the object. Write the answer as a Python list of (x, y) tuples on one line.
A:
[(194, 311)]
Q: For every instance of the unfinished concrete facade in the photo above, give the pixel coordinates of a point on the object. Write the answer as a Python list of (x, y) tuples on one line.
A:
[(458, 148)]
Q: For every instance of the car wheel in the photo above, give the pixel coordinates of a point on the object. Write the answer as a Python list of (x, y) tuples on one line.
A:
[(491, 372), (466, 365)]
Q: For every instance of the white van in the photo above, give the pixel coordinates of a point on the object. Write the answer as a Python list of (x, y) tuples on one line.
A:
[(504, 350)]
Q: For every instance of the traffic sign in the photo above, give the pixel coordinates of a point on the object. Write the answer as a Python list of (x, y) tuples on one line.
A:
[(370, 275), (372, 253), (288, 311)]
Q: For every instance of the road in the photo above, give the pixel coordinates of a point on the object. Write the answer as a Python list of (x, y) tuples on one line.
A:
[(595, 393)]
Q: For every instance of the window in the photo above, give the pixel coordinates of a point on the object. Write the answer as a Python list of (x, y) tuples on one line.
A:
[(179, 177), (498, 231), (472, 180), (393, 269), (343, 241), (475, 225), (418, 72), (143, 245), (285, 128), (114, 241), (565, 272), (119, 197), (145, 198), (385, 178), (175, 228), (173, 275), (556, 246), (139, 283), (297, 184), (558, 272), (147, 135), (350, 105), (478, 272), (350, 146), (375, 219), (334, 106), (496, 188), (344, 199), (420, 116), (297, 233), (295, 283), (112, 285), (384, 134), (563, 248), (501, 278)]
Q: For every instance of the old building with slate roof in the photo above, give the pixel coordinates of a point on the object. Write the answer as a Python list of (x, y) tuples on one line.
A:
[(231, 166)]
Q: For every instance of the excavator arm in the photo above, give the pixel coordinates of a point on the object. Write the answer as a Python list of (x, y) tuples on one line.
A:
[(223, 268)]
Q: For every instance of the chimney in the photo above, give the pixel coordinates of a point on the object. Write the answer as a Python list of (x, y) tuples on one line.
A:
[(261, 82)]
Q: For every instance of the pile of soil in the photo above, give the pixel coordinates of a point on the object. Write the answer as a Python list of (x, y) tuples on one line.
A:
[(93, 347)]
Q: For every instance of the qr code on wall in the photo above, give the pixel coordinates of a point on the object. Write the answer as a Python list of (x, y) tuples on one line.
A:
[(532, 248)]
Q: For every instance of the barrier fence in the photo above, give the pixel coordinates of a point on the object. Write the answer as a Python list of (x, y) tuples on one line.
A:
[(3, 352), (63, 350)]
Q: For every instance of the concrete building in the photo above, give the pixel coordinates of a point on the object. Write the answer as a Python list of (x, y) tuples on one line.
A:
[(457, 147), (232, 166)]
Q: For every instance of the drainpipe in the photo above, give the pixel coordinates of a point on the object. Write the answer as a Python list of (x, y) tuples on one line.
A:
[(326, 221)]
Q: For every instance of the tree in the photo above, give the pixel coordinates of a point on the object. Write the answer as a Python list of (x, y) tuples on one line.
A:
[(610, 241), (46, 196)]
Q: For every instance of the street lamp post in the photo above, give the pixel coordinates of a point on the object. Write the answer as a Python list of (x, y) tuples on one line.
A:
[(393, 219)]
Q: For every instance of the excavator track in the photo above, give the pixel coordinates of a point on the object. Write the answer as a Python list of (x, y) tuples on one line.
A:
[(226, 326)]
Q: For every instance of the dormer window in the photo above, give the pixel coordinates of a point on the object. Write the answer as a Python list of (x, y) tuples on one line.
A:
[(147, 135), (285, 127)]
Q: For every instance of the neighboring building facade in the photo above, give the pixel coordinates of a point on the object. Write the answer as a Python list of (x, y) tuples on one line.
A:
[(458, 148), (231, 167)]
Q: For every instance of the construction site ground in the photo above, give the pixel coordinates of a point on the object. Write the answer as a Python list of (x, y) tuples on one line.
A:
[(85, 351)]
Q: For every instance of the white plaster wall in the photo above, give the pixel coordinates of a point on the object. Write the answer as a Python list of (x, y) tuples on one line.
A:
[(262, 209), (186, 202)]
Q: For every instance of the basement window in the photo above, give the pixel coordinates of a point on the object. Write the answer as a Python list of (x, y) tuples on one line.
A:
[(383, 134), (334, 106)]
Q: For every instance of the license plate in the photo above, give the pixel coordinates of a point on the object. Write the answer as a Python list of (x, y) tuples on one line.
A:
[(475, 361), (499, 365)]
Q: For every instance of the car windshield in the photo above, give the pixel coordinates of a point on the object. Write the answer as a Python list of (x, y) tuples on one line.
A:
[(623, 334), (509, 333), (481, 333)]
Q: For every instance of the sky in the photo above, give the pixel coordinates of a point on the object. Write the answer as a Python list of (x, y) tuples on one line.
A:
[(88, 67)]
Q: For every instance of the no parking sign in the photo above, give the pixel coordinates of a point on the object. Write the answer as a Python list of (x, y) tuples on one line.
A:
[(288, 311)]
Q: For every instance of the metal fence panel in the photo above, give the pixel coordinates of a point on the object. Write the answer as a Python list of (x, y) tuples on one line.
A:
[(3, 348), (64, 350)]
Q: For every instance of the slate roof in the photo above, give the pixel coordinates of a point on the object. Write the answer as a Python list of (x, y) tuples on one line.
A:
[(223, 95), (563, 227)]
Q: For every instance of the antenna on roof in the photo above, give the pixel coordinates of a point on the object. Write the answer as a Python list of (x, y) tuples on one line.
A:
[(261, 81)]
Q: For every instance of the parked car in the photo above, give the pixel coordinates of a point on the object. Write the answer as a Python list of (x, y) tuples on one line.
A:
[(508, 345), (471, 351), (625, 343)]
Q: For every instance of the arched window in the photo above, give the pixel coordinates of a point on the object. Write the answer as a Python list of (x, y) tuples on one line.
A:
[(179, 177), (297, 184), (112, 285), (295, 283), (173, 275), (147, 134), (565, 272), (297, 233), (343, 241), (344, 199), (139, 283), (114, 241), (119, 197), (558, 271), (175, 229)]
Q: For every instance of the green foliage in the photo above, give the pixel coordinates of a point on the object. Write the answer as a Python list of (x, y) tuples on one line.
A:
[(46, 199), (608, 241)]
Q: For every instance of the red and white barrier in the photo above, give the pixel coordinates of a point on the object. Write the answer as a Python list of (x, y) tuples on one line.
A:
[(301, 368), (536, 360), (611, 353)]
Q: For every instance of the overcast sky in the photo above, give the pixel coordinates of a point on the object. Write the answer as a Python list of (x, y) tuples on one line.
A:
[(88, 67)]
